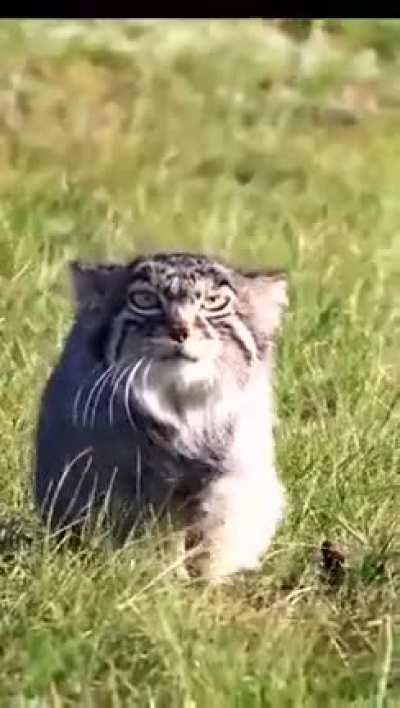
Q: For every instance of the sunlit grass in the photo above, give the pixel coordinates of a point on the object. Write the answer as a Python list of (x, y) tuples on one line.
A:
[(266, 144)]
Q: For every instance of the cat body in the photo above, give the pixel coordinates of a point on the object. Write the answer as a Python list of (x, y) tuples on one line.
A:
[(162, 401)]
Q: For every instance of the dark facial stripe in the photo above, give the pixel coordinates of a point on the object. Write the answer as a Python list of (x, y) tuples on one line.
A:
[(241, 334), (125, 326), (119, 330)]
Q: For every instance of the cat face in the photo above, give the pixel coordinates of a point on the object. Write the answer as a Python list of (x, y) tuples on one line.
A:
[(191, 320)]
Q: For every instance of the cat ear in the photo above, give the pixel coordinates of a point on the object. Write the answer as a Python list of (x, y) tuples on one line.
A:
[(268, 296), (92, 283)]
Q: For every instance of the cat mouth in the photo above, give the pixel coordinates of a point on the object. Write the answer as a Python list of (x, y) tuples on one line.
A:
[(180, 353)]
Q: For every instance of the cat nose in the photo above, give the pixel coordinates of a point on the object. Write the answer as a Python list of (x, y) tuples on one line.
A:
[(179, 321), (179, 331)]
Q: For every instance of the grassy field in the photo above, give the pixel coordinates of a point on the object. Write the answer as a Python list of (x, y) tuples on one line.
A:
[(269, 143)]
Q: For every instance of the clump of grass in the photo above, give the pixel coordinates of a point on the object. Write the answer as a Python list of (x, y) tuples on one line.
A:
[(265, 145)]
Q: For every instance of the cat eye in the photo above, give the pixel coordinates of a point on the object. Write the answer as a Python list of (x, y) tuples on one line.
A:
[(217, 302), (144, 300)]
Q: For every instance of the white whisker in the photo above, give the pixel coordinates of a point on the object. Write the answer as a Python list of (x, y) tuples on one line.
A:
[(76, 405), (110, 374), (92, 391), (128, 389), (145, 374), (138, 474), (78, 395), (117, 381)]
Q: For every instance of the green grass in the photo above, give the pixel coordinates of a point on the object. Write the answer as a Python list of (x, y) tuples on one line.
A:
[(267, 144)]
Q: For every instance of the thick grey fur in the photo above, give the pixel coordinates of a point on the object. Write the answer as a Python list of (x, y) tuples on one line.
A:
[(97, 453)]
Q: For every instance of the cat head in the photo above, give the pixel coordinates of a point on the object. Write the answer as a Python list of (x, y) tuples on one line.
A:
[(192, 320)]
